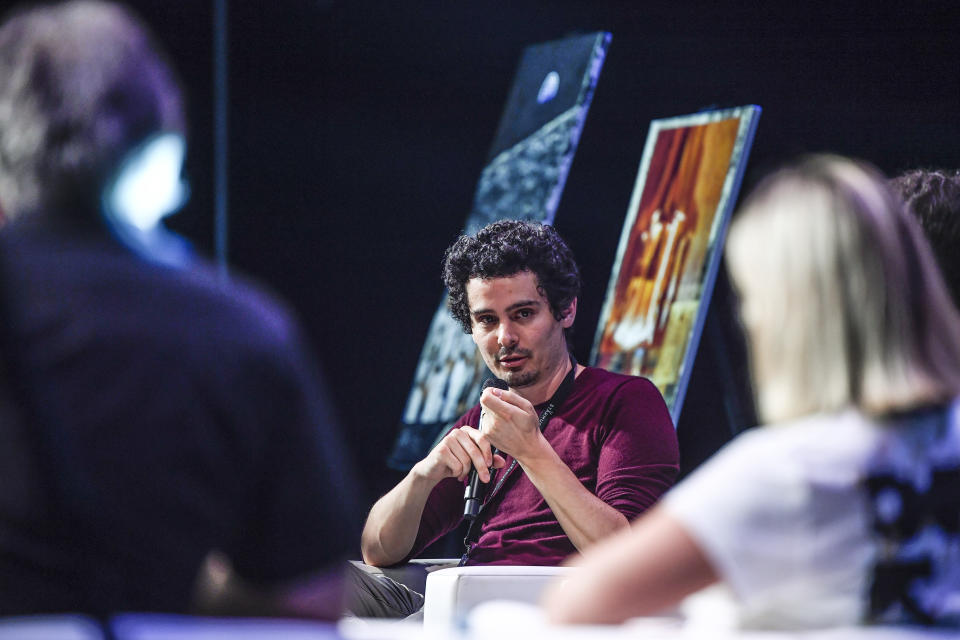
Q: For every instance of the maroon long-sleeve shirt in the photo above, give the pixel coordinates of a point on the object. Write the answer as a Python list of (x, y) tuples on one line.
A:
[(615, 434)]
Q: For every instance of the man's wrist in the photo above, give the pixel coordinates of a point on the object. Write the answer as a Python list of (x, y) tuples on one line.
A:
[(538, 455), (423, 477)]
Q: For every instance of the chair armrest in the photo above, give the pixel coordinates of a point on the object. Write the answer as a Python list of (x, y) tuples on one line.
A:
[(452, 593)]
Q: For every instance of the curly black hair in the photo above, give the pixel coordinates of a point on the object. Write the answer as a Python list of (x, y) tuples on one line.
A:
[(933, 196), (503, 249)]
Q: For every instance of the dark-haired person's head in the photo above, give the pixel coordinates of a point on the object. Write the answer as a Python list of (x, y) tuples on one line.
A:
[(933, 197), (506, 248), (513, 286), (82, 83)]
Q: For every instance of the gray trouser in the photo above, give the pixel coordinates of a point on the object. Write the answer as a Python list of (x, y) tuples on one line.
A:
[(374, 595)]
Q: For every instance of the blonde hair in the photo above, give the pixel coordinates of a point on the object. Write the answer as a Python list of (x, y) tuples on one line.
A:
[(842, 300)]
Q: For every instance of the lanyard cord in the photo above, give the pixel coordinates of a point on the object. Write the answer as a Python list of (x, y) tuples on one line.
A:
[(559, 396)]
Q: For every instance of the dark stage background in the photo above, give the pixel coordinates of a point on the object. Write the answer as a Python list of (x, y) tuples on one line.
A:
[(358, 129)]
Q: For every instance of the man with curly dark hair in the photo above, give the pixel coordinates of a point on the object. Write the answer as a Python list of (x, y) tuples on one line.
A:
[(933, 196), (572, 453)]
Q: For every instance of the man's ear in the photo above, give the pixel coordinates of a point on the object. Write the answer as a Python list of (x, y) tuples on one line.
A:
[(568, 315)]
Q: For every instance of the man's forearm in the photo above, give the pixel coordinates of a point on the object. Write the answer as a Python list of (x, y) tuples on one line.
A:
[(584, 517), (394, 520)]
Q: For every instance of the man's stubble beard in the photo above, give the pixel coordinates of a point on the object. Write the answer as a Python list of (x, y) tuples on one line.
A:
[(521, 379)]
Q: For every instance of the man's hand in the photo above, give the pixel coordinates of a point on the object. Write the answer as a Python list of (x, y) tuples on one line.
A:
[(511, 424), (458, 452), (392, 524)]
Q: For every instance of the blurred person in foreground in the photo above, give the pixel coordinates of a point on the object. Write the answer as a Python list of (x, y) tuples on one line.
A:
[(847, 509), (933, 197), (154, 416)]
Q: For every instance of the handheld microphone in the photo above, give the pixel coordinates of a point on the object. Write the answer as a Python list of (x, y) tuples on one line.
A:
[(476, 491)]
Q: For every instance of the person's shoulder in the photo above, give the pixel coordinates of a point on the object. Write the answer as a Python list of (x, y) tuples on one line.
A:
[(223, 308), (778, 459), (629, 403), (601, 382), (235, 311), (246, 299), (598, 377), (113, 290), (834, 430), (813, 445)]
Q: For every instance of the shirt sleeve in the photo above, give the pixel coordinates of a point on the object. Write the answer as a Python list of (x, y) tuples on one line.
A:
[(639, 456), (746, 509), (444, 509)]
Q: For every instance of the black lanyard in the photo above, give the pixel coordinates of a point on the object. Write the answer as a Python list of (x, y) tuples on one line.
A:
[(473, 531)]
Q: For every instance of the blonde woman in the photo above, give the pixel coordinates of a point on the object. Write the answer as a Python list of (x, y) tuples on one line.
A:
[(847, 509)]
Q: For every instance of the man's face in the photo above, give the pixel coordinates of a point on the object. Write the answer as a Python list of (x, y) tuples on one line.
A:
[(514, 328)]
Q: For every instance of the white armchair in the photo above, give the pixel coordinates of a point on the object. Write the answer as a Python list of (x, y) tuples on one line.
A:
[(451, 593)]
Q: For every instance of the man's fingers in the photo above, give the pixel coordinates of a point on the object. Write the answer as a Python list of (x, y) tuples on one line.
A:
[(467, 437), (507, 397), (457, 459), (499, 462), (481, 440), (508, 405)]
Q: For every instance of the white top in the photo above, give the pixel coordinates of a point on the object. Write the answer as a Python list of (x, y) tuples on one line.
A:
[(786, 516)]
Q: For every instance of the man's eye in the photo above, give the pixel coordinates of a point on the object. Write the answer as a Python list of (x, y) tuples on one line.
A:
[(486, 320), (524, 313)]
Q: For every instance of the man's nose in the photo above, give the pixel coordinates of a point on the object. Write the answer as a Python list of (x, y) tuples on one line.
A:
[(506, 336)]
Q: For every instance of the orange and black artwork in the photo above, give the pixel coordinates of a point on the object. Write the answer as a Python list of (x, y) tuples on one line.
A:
[(669, 250)]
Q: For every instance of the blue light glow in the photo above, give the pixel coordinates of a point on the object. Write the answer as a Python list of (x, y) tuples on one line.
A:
[(148, 186)]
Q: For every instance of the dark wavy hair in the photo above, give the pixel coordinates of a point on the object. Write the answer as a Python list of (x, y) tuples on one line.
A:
[(503, 249), (933, 196)]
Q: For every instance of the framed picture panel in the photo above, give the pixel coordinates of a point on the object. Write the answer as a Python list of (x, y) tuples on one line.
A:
[(670, 248)]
